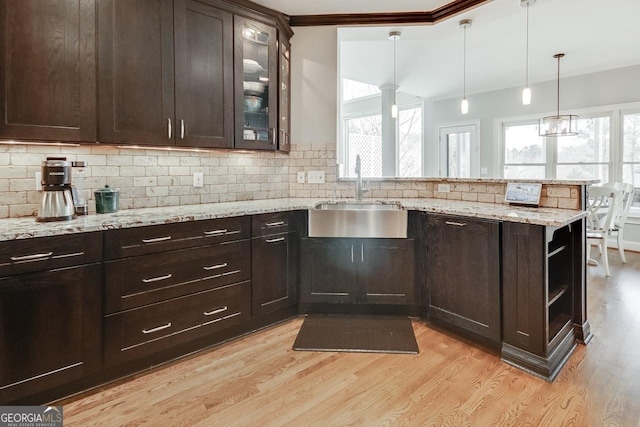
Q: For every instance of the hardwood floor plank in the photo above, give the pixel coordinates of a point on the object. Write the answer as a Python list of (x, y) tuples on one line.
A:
[(260, 380)]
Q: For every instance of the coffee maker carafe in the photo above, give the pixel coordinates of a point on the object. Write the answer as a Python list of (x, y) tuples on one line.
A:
[(57, 201)]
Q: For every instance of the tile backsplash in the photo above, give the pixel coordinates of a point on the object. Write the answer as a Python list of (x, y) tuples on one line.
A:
[(146, 177), (153, 177)]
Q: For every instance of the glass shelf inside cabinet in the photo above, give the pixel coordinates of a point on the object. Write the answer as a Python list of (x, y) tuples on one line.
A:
[(255, 65)]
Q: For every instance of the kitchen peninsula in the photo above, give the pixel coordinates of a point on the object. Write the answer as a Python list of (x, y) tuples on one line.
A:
[(528, 302)]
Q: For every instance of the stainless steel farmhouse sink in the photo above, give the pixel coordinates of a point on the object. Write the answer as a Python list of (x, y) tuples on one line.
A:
[(358, 220)]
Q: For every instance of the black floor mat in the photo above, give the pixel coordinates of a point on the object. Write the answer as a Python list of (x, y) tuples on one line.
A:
[(367, 334)]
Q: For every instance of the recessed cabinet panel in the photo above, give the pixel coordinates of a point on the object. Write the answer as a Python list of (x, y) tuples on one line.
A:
[(204, 75), (50, 329), (463, 274), (47, 72), (136, 76)]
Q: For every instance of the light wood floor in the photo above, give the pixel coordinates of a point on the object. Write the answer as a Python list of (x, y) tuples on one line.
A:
[(259, 381)]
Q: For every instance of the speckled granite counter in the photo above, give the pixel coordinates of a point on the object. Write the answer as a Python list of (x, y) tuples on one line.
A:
[(23, 228)]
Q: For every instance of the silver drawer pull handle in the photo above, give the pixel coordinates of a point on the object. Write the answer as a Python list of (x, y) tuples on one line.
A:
[(216, 311), (213, 267), (169, 127), (279, 239), (159, 328), (157, 279), (30, 257), (213, 232), (181, 128), (457, 224), (274, 224), (156, 239)]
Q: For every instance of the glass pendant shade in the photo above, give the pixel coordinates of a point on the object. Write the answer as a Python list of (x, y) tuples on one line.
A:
[(526, 96), (394, 111), (464, 106), (561, 125)]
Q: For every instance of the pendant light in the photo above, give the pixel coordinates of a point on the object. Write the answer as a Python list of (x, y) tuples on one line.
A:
[(526, 92), (394, 35), (558, 125), (464, 105)]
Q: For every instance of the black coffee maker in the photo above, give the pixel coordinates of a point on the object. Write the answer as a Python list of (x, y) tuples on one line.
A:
[(57, 201)]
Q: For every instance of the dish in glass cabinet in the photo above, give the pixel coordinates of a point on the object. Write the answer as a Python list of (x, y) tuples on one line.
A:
[(250, 66)]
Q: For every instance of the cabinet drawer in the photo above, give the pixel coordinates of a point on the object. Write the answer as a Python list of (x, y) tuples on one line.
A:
[(147, 330), (272, 223), (160, 238), (46, 253), (133, 282)]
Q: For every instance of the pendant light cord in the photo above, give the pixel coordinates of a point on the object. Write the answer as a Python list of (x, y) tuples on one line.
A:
[(526, 82), (464, 65), (558, 88), (394, 70)]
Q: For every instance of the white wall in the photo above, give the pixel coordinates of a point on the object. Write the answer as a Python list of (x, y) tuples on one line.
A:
[(617, 86), (314, 85)]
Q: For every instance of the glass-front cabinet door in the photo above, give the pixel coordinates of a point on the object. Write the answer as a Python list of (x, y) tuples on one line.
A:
[(256, 64), (284, 100)]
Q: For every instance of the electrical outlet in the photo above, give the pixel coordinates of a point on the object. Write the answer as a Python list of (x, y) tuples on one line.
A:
[(316, 177), (301, 177), (39, 181), (198, 179), (444, 188)]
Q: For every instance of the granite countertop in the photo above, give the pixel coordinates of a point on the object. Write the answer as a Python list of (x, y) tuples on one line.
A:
[(24, 228)]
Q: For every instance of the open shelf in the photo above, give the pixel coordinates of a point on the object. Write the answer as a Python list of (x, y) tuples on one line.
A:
[(557, 250), (556, 293), (557, 323), (558, 239)]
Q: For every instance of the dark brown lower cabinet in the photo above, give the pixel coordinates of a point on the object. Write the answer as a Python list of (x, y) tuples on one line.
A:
[(140, 332), (274, 272), (50, 329), (362, 271), (463, 275), (542, 275)]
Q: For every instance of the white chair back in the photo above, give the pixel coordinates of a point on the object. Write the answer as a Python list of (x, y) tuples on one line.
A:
[(601, 207)]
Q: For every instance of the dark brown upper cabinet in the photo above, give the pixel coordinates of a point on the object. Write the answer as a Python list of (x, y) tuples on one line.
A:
[(256, 85), (165, 73), (284, 100), (47, 70)]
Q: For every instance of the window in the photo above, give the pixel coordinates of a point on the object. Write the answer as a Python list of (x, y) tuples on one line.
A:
[(459, 151), (410, 141), (384, 149), (363, 137), (586, 155), (524, 152), (631, 153), (582, 157)]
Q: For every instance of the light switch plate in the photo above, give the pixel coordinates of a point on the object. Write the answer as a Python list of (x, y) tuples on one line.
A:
[(316, 177), (444, 188), (301, 177), (198, 179)]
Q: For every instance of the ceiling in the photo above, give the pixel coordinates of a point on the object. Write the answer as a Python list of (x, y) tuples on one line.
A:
[(595, 35)]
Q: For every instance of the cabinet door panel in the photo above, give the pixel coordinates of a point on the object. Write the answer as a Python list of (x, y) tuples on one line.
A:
[(48, 70), (463, 274), (328, 271), (386, 273), (274, 272), (50, 325), (523, 287), (136, 75), (204, 75)]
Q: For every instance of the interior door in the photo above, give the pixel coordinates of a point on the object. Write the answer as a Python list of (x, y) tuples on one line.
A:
[(459, 152)]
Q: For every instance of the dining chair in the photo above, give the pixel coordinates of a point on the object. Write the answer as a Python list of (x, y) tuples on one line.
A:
[(623, 205), (601, 200)]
